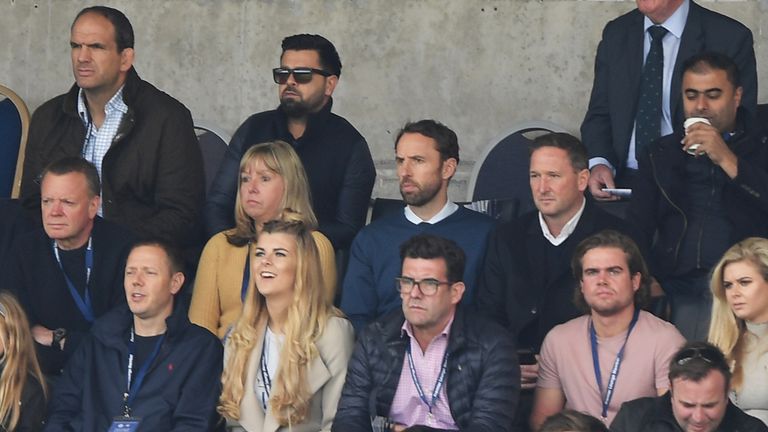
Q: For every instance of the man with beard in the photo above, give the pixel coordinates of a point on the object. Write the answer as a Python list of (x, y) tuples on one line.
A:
[(615, 352), (426, 154), (335, 156)]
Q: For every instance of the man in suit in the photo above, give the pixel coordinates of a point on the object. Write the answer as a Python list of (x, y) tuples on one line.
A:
[(526, 284), (610, 128)]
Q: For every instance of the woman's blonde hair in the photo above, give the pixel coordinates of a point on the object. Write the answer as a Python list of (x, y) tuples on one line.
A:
[(18, 360), (307, 317), (281, 159), (726, 331)]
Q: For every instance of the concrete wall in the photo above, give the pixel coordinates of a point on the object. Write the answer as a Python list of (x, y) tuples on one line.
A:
[(479, 66)]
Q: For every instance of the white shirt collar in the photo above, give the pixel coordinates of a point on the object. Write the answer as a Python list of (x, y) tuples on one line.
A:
[(567, 230), (115, 103), (675, 24), (448, 209)]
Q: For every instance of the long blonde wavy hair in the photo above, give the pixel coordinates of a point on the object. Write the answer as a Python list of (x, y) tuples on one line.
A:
[(281, 159), (307, 317), (727, 331), (18, 360)]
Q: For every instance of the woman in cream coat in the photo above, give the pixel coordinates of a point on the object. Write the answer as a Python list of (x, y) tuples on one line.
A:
[(270, 384)]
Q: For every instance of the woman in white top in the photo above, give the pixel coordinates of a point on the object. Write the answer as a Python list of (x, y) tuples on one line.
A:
[(739, 325), (286, 358)]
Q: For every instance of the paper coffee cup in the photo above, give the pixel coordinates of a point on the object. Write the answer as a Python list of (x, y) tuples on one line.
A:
[(691, 121)]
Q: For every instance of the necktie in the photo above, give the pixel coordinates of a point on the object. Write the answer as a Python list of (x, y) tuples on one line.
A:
[(648, 118)]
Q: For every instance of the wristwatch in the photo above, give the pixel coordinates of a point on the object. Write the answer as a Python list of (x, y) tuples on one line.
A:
[(58, 335)]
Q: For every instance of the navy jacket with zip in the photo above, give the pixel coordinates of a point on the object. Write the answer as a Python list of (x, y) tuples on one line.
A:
[(179, 392)]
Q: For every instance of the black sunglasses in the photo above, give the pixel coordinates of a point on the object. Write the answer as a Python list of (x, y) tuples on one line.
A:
[(302, 75)]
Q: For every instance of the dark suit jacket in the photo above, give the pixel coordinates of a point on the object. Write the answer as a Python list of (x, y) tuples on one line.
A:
[(607, 127), (518, 284)]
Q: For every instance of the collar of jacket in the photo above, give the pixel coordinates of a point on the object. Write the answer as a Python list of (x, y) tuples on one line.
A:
[(662, 413), (456, 338), (130, 94), (113, 328), (316, 122)]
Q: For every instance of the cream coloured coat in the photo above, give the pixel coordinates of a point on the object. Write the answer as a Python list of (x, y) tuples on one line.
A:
[(326, 376)]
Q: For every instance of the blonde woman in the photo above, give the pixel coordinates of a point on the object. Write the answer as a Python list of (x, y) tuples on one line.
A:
[(22, 386), (739, 325), (286, 359), (271, 178)]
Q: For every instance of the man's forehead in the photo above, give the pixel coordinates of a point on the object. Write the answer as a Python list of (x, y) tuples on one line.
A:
[(605, 256), (299, 58), (91, 24), (416, 143), (425, 267)]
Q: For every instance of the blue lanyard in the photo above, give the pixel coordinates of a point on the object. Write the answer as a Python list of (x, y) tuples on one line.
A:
[(616, 364), (246, 274), (265, 378), (132, 391), (84, 304), (417, 384)]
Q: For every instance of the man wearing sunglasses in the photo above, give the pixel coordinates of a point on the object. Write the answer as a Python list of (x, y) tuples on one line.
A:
[(429, 363), (335, 156), (697, 400)]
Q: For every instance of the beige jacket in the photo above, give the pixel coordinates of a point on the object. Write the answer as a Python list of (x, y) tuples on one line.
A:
[(327, 373)]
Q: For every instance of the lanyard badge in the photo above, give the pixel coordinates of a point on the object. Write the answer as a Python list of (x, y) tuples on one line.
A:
[(438, 384), (132, 388)]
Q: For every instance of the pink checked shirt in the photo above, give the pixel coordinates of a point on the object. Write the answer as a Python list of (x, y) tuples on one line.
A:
[(407, 407)]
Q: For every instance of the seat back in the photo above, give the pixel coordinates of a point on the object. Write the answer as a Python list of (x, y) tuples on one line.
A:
[(501, 173), (213, 145), (14, 127)]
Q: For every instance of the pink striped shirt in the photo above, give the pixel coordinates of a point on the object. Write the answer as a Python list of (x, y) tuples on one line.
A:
[(407, 407)]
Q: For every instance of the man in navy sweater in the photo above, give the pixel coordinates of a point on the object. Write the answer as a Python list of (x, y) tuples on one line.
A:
[(426, 154)]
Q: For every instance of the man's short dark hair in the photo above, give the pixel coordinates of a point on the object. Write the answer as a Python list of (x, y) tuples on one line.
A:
[(447, 142), (704, 62), (75, 164), (428, 246), (694, 361), (635, 263), (577, 153), (174, 256), (123, 28), (572, 421), (329, 57)]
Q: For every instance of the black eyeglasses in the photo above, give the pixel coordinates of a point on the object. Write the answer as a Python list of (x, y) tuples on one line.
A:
[(427, 286), (706, 354), (302, 75)]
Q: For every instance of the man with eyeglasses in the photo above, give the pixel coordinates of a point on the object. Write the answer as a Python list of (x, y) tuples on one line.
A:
[(615, 352), (141, 140), (697, 400), (335, 156), (430, 363), (426, 155)]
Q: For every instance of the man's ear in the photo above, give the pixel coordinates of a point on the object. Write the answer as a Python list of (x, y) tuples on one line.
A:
[(457, 292), (330, 85), (177, 280), (126, 59)]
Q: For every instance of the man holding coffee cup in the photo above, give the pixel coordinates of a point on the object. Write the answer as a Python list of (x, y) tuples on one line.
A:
[(701, 190)]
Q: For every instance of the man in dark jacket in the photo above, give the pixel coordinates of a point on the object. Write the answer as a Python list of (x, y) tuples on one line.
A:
[(70, 272), (143, 366), (335, 156), (526, 284), (430, 364), (698, 401), (140, 139), (700, 191)]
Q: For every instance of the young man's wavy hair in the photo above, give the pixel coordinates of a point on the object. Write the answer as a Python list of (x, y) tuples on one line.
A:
[(307, 317), (635, 263)]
